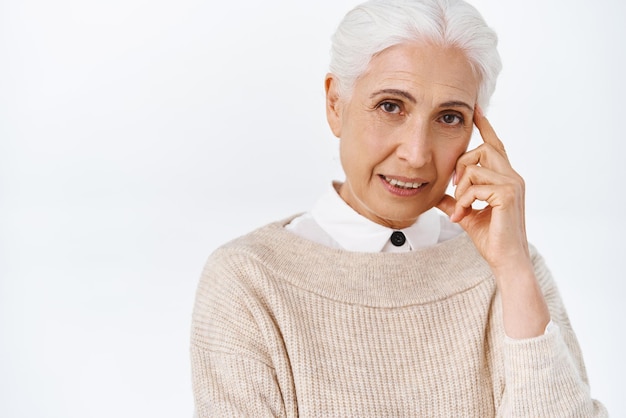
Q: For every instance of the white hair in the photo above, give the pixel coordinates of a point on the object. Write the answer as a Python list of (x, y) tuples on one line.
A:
[(379, 24)]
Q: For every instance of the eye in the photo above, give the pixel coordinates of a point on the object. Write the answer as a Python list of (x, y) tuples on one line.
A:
[(452, 119), (390, 107)]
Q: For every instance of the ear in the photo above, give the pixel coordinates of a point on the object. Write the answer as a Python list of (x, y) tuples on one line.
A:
[(333, 104)]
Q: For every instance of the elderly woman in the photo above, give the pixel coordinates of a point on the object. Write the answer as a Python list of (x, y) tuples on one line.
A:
[(374, 303)]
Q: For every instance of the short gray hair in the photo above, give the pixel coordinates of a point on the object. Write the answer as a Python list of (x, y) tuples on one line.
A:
[(379, 24)]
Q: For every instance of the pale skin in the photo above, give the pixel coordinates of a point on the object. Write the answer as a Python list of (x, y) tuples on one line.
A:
[(409, 119), (499, 230)]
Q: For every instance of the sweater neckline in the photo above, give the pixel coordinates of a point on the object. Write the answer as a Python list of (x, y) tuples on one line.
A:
[(385, 280)]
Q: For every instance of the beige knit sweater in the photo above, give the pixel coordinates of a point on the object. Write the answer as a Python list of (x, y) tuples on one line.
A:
[(286, 327)]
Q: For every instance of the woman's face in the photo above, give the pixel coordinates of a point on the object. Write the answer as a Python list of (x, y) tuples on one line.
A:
[(407, 122)]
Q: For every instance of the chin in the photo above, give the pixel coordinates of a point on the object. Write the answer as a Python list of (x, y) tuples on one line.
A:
[(408, 218), (398, 221)]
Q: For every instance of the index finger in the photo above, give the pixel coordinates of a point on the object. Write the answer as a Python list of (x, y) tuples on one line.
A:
[(487, 132)]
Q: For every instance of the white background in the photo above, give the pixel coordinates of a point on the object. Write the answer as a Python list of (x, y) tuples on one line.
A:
[(136, 136)]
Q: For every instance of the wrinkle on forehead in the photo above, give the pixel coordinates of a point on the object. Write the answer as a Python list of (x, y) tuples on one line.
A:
[(423, 69)]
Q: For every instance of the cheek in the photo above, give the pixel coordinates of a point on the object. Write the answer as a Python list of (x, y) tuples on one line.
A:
[(447, 159), (450, 156), (354, 162), (364, 149)]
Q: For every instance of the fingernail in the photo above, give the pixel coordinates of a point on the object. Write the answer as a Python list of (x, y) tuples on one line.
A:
[(454, 178)]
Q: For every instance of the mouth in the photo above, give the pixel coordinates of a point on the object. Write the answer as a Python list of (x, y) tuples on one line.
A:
[(402, 184)]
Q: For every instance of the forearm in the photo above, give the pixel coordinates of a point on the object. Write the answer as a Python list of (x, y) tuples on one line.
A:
[(524, 309)]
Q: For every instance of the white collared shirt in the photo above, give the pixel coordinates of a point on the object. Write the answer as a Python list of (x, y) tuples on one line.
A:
[(333, 223)]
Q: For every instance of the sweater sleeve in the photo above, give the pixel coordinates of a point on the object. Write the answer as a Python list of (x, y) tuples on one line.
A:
[(232, 370), (545, 376), (231, 386)]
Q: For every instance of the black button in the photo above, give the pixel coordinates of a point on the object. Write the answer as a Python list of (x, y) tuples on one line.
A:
[(398, 239)]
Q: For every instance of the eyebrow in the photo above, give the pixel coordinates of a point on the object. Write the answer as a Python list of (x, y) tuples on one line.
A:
[(396, 92), (454, 103), (409, 96)]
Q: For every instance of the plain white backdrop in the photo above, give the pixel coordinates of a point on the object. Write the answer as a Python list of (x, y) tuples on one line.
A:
[(136, 136)]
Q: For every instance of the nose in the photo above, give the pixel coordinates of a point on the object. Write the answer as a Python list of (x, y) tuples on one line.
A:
[(415, 144)]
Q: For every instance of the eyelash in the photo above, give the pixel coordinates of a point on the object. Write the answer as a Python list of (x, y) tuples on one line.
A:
[(460, 121), (384, 104)]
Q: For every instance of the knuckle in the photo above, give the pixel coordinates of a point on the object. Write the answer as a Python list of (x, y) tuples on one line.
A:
[(513, 189)]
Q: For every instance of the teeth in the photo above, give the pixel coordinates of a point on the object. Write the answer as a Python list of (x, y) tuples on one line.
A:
[(401, 184)]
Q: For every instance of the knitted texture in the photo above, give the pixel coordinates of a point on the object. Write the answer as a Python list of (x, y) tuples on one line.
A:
[(286, 327)]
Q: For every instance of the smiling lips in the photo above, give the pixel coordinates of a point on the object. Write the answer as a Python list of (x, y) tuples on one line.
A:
[(402, 184)]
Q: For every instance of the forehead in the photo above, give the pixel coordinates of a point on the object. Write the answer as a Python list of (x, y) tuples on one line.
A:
[(421, 69)]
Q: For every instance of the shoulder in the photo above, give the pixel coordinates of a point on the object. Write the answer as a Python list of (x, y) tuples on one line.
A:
[(242, 256), (260, 245), (233, 292)]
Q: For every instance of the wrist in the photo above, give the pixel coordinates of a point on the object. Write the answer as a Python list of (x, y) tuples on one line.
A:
[(514, 270), (525, 312)]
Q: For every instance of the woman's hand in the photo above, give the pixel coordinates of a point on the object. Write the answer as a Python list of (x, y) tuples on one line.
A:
[(498, 230), (485, 174)]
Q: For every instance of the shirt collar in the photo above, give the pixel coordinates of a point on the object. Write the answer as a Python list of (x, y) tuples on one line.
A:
[(354, 232)]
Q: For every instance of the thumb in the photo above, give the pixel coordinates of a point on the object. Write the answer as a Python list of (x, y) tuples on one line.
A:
[(446, 205)]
